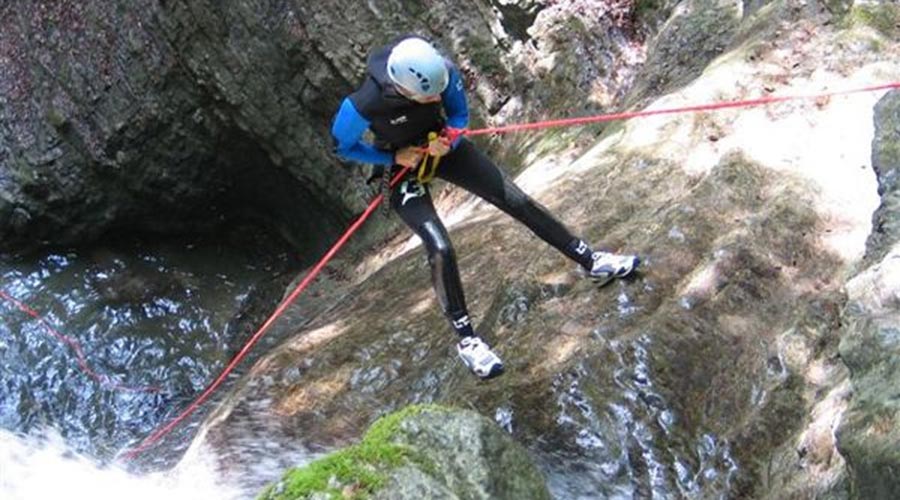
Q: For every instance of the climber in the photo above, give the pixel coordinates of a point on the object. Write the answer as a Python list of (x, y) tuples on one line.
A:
[(410, 91)]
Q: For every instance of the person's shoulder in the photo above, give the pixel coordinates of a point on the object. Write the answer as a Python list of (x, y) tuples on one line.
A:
[(367, 98), (456, 81), (452, 68)]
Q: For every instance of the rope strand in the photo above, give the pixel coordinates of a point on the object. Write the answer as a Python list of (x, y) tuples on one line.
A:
[(79, 352)]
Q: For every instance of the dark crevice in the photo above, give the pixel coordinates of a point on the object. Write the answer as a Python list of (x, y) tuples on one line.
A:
[(241, 188), (263, 193), (516, 18)]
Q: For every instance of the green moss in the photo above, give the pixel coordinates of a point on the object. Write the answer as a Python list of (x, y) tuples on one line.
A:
[(56, 118), (22, 171), (385, 427), (644, 7), (485, 56), (839, 7), (883, 18), (363, 467)]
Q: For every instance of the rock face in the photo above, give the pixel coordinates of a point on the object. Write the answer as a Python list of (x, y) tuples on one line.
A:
[(720, 370), (869, 434), (181, 115), (715, 371), (886, 162), (421, 452), (107, 125), (707, 26)]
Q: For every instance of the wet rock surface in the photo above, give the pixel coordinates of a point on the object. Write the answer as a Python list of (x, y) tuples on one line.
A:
[(473, 458), (422, 451), (723, 368), (713, 372)]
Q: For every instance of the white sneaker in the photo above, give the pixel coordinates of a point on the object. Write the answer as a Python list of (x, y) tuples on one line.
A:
[(608, 266), (477, 355)]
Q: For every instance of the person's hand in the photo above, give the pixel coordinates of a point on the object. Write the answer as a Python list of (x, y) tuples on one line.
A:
[(439, 146), (408, 156)]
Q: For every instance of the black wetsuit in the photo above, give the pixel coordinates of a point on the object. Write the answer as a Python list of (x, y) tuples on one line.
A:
[(398, 122)]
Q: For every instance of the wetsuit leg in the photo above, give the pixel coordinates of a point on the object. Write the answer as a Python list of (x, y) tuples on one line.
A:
[(413, 204), (470, 169)]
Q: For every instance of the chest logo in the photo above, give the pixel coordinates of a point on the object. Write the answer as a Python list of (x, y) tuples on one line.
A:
[(399, 120)]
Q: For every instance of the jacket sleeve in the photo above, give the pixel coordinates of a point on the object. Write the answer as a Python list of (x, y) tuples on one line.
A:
[(348, 129), (455, 104)]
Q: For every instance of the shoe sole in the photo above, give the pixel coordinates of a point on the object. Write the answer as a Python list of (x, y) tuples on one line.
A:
[(496, 371)]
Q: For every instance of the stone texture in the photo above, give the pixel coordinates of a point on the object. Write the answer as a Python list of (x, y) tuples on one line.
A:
[(473, 457), (183, 115), (447, 454), (869, 434), (100, 126), (711, 373), (715, 371), (174, 116), (411, 483), (706, 26), (886, 162)]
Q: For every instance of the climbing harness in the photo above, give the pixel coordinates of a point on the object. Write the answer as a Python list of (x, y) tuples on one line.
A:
[(426, 174)]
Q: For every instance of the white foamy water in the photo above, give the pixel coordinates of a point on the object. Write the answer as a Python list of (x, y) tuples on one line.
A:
[(33, 468)]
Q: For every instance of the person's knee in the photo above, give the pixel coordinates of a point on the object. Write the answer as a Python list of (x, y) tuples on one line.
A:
[(440, 250), (516, 201)]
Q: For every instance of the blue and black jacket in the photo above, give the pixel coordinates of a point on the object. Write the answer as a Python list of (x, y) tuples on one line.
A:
[(395, 121)]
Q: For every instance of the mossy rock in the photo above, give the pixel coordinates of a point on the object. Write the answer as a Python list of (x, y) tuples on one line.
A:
[(869, 433), (883, 18), (485, 55), (422, 451)]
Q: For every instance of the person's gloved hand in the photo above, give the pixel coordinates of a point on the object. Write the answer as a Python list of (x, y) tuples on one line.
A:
[(439, 147), (408, 157)]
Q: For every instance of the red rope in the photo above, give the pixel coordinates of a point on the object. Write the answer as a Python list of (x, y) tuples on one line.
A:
[(568, 122), (79, 353), (310, 276)]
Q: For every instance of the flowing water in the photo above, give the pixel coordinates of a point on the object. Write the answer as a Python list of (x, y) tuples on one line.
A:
[(42, 466), (129, 333), (153, 322), (630, 445)]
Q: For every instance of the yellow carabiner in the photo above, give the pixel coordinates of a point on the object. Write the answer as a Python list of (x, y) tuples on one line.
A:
[(425, 175)]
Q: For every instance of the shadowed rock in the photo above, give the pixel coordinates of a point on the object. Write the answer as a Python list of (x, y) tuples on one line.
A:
[(869, 434), (421, 452)]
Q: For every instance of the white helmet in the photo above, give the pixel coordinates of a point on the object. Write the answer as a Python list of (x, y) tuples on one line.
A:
[(418, 67)]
